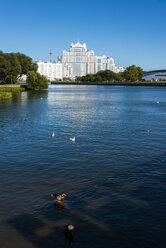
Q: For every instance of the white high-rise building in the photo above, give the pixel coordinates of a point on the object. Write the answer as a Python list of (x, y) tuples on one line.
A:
[(53, 71), (104, 63), (78, 61)]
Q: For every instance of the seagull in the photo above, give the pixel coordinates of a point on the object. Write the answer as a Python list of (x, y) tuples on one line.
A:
[(53, 135), (73, 139)]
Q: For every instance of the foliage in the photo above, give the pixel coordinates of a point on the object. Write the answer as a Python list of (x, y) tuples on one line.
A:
[(4, 68), (14, 65), (132, 73), (101, 76), (119, 77), (36, 81), (5, 95), (14, 68), (67, 79), (7, 92), (26, 64), (107, 75)]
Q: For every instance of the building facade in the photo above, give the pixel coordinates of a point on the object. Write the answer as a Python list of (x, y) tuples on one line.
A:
[(78, 61), (53, 71), (159, 75)]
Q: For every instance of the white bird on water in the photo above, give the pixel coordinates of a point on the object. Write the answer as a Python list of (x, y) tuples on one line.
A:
[(157, 102), (53, 135), (73, 139)]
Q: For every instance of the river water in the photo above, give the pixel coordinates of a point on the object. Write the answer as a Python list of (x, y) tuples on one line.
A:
[(114, 175)]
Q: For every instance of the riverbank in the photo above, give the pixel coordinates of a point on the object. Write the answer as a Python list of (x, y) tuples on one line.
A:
[(11, 89), (115, 83), (9, 86), (5, 96), (7, 92)]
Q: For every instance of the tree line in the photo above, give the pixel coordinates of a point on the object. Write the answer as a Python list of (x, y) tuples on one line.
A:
[(14, 65), (131, 74)]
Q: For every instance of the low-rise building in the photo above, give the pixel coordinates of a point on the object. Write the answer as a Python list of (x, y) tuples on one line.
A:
[(159, 75)]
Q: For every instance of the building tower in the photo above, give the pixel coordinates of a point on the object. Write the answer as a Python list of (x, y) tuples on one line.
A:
[(50, 53)]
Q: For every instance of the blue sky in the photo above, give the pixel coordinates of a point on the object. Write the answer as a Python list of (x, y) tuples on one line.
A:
[(130, 31)]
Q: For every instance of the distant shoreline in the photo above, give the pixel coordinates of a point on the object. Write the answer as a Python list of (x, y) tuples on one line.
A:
[(161, 84)]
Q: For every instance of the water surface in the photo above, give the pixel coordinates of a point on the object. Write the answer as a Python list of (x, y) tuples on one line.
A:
[(114, 174)]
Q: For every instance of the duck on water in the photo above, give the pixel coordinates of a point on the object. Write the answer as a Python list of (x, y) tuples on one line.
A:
[(59, 197)]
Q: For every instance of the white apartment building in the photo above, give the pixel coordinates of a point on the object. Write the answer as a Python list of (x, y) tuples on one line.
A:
[(104, 63), (120, 69), (53, 71), (78, 61)]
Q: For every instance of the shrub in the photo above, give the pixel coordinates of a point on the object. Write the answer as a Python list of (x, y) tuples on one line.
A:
[(35, 81)]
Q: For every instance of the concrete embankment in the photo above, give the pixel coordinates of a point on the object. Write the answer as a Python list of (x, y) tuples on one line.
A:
[(114, 84)]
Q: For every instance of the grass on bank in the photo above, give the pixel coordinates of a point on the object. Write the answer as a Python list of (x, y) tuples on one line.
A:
[(11, 89), (5, 95)]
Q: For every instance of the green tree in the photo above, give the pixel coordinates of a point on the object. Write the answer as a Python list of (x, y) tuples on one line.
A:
[(13, 68), (98, 78), (26, 63), (89, 78), (107, 75), (4, 68), (36, 81), (119, 76), (133, 73), (78, 79), (14, 65), (140, 73)]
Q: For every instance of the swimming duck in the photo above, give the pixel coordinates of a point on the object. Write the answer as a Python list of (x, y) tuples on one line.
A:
[(148, 130), (59, 197), (69, 227)]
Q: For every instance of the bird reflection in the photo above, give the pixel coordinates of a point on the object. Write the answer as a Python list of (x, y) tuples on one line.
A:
[(68, 233)]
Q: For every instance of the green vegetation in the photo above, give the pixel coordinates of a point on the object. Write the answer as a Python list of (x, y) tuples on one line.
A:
[(5, 96), (6, 93), (11, 89), (131, 74), (36, 81), (14, 65)]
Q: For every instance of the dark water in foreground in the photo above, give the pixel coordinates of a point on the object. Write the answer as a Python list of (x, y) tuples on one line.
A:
[(114, 175)]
